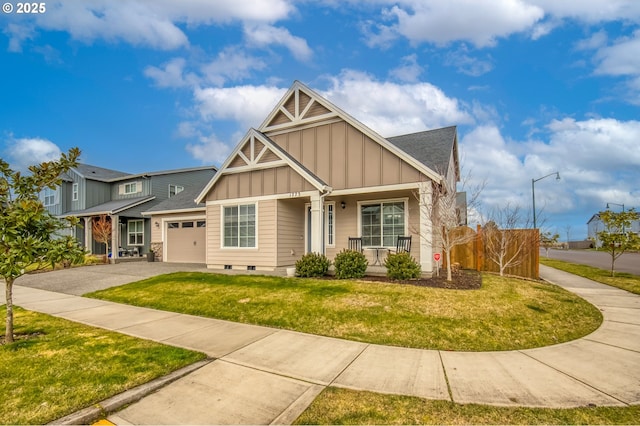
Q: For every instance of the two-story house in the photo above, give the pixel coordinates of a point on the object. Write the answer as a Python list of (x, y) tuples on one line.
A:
[(88, 192)]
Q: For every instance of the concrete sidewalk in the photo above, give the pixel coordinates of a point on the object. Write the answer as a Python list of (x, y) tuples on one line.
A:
[(263, 375)]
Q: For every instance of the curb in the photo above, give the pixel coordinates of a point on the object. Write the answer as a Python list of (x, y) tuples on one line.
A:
[(101, 409)]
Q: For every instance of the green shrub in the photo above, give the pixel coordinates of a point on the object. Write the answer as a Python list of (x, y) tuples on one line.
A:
[(402, 266), (350, 264), (312, 265)]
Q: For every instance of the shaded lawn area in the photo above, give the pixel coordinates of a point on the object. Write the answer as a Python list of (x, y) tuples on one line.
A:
[(56, 367), (622, 280), (505, 314), (342, 406)]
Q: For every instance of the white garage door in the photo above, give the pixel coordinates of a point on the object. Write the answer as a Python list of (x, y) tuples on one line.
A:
[(186, 241)]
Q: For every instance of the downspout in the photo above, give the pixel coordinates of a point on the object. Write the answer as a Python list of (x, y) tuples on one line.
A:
[(326, 190)]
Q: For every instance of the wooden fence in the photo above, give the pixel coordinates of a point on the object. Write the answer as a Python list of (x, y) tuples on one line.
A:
[(476, 255)]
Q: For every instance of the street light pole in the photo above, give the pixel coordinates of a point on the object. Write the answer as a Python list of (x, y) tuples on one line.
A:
[(533, 194), (616, 204)]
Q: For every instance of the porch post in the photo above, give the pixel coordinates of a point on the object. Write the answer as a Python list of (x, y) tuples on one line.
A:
[(88, 234), (115, 235), (316, 224), (426, 227)]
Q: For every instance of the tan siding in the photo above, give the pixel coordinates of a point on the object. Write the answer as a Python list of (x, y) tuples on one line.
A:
[(409, 174), (257, 146), (303, 100), (246, 150), (355, 151), (338, 177), (390, 169), (323, 152), (315, 110), (308, 157), (269, 181), (268, 156), (264, 256), (291, 214), (233, 183), (256, 182), (293, 145), (372, 170), (244, 184), (280, 118), (237, 162), (290, 105), (282, 180)]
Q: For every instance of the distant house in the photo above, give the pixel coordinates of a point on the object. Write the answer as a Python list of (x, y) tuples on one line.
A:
[(310, 177), (89, 191), (595, 225)]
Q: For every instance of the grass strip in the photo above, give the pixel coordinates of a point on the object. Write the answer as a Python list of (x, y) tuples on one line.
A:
[(505, 314), (56, 367), (343, 406), (622, 280)]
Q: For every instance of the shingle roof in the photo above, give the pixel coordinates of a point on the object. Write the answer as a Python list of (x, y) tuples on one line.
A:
[(99, 173), (184, 200), (432, 147)]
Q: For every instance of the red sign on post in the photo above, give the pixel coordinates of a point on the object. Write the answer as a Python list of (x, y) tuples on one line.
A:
[(436, 257)]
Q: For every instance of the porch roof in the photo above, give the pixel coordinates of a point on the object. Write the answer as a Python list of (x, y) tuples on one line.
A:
[(112, 207)]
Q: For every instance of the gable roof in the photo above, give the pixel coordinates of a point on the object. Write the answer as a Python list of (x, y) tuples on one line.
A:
[(431, 147), (254, 158), (113, 207), (302, 105)]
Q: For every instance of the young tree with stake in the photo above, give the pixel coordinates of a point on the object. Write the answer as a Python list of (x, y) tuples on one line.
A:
[(616, 238)]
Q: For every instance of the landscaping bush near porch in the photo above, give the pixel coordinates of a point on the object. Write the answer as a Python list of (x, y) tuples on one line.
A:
[(506, 313)]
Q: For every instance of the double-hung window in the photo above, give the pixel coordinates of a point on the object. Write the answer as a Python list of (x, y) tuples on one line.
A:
[(131, 188), (330, 224), (135, 232), (382, 223), (239, 224), (175, 189), (74, 191), (49, 196)]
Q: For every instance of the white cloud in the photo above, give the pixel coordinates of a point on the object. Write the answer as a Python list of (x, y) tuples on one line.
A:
[(24, 152), (481, 22), (151, 23), (597, 160), (595, 41), (170, 74), (620, 58), (392, 109), (266, 35), (209, 150), (409, 71), (231, 64), (591, 11), (246, 105), (467, 64)]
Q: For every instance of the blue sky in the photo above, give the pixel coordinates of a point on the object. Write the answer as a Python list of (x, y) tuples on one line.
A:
[(534, 86)]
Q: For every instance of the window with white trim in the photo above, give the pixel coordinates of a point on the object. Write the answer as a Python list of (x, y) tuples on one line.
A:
[(49, 196), (382, 223), (74, 191), (135, 232), (131, 188), (330, 212), (239, 225), (175, 189)]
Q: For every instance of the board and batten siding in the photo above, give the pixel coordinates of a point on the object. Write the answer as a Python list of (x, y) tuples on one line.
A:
[(263, 256), (271, 181), (324, 150)]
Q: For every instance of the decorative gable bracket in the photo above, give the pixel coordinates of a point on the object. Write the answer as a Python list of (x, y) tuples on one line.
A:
[(298, 106)]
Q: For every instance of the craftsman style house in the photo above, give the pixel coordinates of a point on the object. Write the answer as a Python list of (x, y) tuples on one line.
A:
[(311, 177), (88, 192)]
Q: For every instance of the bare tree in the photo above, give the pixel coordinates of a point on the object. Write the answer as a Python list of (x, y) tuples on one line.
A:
[(504, 245), (548, 240), (101, 230), (441, 208)]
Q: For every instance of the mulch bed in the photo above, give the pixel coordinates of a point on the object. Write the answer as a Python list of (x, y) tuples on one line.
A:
[(461, 280)]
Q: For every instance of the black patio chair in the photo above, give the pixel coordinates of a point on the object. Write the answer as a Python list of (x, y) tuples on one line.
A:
[(403, 244), (355, 243)]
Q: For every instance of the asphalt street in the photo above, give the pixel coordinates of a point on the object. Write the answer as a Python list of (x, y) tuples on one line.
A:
[(628, 262)]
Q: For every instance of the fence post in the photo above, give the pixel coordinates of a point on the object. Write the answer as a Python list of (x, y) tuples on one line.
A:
[(479, 249)]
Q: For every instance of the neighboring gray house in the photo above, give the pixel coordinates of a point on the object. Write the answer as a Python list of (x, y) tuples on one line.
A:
[(89, 191), (595, 225)]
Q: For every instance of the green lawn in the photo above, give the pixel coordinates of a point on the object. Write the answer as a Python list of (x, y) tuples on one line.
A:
[(505, 314), (622, 280), (342, 406), (56, 367)]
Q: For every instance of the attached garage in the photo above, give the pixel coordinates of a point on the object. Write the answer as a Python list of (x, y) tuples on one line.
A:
[(186, 241)]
